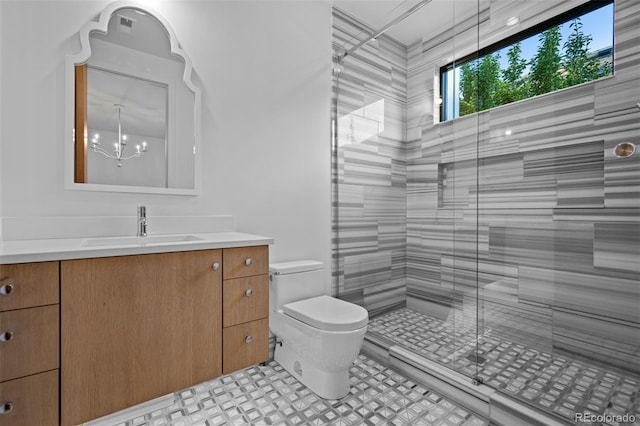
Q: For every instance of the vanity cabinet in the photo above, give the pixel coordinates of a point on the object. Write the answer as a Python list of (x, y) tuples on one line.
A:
[(29, 343), (245, 307), (87, 337)]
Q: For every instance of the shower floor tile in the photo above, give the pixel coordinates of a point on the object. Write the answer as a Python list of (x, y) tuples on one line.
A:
[(553, 382), (269, 395)]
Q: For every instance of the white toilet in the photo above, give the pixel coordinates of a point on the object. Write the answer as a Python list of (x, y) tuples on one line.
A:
[(317, 336)]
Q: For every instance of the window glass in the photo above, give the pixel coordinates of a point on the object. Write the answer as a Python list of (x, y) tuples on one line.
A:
[(558, 55)]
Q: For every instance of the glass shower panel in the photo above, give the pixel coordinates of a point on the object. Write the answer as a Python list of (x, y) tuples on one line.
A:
[(369, 162), (503, 244), (458, 169), (458, 263), (441, 222), (559, 238), (518, 243), (404, 238)]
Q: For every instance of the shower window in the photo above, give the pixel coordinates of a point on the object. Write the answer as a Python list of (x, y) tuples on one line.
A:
[(573, 48)]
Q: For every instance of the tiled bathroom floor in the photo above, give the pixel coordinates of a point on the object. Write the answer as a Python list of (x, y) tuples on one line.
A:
[(555, 383), (268, 395)]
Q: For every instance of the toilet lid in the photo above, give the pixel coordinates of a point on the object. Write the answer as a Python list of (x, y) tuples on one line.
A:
[(328, 313)]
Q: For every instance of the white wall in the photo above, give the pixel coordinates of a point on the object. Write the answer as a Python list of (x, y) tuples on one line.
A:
[(265, 71)]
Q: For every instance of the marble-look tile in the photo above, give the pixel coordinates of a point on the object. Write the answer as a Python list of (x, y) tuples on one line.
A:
[(268, 395), (512, 363), (370, 195)]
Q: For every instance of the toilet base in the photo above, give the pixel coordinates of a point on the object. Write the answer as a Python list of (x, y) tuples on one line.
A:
[(325, 384)]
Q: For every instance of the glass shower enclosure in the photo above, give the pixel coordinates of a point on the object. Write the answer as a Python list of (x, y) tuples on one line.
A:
[(503, 244)]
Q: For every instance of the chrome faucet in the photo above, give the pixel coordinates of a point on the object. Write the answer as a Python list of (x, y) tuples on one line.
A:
[(142, 221)]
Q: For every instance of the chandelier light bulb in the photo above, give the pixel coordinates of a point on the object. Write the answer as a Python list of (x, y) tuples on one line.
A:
[(141, 149)]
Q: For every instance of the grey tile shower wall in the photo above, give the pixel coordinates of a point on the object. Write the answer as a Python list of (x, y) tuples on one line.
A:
[(553, 226), (369, 197)]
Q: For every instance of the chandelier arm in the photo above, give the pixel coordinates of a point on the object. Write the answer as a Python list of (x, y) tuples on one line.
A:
[(104, 152), (136, 155)]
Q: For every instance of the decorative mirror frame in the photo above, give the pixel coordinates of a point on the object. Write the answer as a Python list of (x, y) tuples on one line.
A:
[(70, 144)]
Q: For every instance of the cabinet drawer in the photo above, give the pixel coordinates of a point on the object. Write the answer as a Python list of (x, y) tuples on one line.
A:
[(244, 345), (245, 299), (245, 261), (29, 341), (23, 285), (30, 401)]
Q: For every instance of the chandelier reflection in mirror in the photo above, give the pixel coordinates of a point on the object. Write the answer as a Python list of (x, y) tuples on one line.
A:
[(119, 145)]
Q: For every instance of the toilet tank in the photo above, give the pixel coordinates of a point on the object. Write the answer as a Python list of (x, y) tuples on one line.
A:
[(293, 281)]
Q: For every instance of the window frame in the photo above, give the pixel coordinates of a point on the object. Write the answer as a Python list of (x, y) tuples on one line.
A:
[(536, 29)]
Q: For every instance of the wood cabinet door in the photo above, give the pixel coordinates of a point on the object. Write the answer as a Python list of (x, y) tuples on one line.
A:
[(137, 327)]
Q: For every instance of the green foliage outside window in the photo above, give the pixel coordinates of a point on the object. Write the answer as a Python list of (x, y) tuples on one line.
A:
[(556, 65)]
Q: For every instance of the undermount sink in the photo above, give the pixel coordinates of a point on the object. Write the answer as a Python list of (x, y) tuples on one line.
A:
[(138, 241)]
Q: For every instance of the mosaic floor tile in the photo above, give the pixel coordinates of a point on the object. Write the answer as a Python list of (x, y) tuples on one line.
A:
[(269, 395), (552, 382)]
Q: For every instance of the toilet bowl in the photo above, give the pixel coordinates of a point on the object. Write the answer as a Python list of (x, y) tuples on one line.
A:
[(317, 336)]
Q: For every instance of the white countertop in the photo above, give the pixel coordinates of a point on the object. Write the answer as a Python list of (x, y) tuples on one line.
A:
[(23, 251)]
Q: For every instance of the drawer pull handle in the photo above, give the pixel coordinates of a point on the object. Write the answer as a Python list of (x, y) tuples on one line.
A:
[(6, 336), (6, 408), (248, 293), (248, 262), (216, 266), (248, 339), (7, 288)]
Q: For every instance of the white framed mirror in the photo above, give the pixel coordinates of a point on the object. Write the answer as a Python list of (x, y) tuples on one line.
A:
[(132, 111)]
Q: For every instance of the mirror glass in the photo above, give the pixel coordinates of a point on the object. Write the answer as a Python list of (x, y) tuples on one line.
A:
[(129, 114), (135, 117)]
